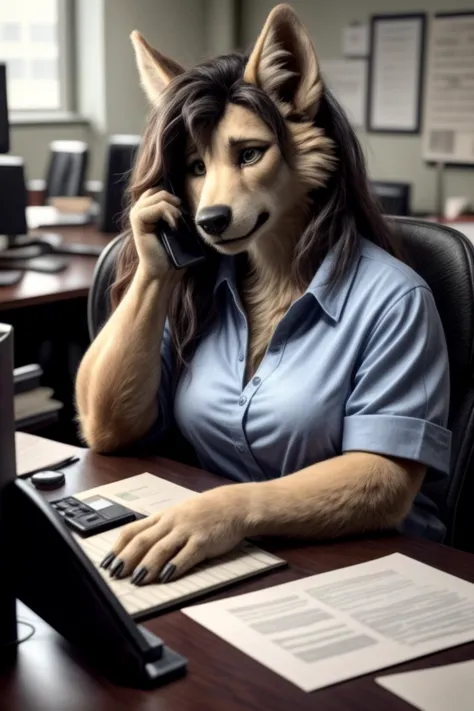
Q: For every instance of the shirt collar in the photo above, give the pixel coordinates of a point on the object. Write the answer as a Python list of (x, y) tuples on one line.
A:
[(226, 273), (331, 298)]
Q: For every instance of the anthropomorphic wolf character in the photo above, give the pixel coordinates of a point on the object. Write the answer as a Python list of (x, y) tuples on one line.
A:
[(301, 358)]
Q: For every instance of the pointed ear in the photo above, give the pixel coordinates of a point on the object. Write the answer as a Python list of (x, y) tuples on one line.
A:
[(155, 70), (284, 64)]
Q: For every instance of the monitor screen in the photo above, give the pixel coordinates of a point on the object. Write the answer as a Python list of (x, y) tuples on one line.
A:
[(7, 476), (121, 156), (7, 418), (4, 126), (14, 196)]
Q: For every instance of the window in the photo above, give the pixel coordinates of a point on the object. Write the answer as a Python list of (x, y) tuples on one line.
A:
[(35, 45)]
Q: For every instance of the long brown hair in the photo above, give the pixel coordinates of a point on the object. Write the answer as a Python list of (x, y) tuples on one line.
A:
[(342, 211)]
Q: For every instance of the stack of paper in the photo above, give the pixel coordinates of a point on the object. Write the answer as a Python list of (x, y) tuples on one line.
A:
[(34, 453), (34, 402), (447, 688), (338, 625), (148, 494)]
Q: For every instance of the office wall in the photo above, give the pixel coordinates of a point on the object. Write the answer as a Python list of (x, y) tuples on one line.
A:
[(220, 26), (175, 27), (32, 143), (109, 94), (389, 157)]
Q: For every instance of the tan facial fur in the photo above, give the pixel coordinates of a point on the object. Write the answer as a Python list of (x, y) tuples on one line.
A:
[(266, 185), (283, 64)]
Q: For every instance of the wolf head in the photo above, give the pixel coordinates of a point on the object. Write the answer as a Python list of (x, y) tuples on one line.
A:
[(246, 133)]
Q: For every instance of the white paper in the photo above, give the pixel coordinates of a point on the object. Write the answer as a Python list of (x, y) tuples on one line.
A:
[(145, 493), (347, 79), (149, 494), (455, 206), (35, 402), (336, 626), (396, 74), (355, 41), (34, 452), (448, 134), (48, 215), (443, 688)]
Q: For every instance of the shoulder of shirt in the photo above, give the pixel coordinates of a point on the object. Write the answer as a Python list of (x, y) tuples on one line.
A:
[(376, 262)]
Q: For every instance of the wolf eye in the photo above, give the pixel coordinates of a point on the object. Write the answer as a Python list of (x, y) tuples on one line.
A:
[(197, 168), (251, 155)]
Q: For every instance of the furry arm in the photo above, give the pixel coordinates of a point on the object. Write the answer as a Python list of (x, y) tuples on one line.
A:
[(119, 375), (349, 494), (352, 493)]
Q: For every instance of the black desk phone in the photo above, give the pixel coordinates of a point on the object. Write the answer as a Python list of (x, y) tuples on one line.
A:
[(184, 245), (93, 515)]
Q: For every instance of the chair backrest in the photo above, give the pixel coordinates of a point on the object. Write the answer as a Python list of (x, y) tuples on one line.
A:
[(120, 157), (98, 310), (98, 302), (66, 172), (394, 198), (444, 258)]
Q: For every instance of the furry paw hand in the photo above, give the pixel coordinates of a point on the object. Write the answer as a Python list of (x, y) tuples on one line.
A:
[(168, 544), (154, 205)]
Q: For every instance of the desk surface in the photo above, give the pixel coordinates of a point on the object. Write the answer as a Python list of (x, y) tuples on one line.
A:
[(219, 677), (36, 288)]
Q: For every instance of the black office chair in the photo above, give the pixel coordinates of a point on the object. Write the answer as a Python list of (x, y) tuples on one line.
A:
[(394, 198), (445, 259), (121, 153), (66, 172), (175, 446)]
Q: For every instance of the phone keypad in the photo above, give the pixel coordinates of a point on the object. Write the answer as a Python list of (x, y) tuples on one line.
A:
[(72, 508), (87, 521)]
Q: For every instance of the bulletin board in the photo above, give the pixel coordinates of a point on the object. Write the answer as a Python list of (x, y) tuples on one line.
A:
[(396, 72), (448, 131)]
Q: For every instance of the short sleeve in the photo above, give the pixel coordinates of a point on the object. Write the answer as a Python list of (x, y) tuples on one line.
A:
[(399, 401)]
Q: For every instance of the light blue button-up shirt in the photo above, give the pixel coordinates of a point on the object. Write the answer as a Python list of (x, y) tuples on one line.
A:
[(363, 366)]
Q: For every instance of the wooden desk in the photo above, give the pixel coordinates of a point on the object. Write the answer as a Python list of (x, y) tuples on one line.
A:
[(219, 677), (36, 288), (49, 315)]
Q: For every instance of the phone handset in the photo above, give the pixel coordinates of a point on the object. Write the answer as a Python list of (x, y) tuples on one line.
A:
[(182, 245)]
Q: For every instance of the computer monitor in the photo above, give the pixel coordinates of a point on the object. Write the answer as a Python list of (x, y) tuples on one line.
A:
[(121, 153), (394, 198), (42, 565), (67, 168), (13, 197), (4, 124), (7, 476)]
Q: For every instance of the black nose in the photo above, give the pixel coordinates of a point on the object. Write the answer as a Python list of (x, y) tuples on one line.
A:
[(214, 220)]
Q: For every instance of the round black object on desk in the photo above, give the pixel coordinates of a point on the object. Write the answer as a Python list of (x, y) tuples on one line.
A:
[(48, 480)]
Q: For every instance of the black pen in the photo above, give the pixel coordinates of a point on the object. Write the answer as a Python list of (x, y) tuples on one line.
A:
[(54, 467)]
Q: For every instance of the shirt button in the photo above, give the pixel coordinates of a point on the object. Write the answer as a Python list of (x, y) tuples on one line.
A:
[(242, 400), (240, 448), (241, 356), (257, 380)]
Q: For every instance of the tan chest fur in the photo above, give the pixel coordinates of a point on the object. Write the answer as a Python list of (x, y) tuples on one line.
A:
[(265, 305)]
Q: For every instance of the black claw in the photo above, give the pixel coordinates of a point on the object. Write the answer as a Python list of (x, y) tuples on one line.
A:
[(107, 560), (139, 575), (167, 573), (116, 569)]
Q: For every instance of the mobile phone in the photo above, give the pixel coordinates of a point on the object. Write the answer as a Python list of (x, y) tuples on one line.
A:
[(182, 245)]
